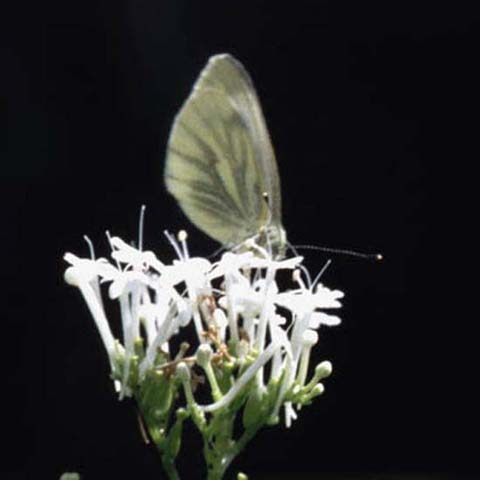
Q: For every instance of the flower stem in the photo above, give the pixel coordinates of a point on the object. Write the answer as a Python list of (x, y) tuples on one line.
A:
[(217, 440), (169, 467)]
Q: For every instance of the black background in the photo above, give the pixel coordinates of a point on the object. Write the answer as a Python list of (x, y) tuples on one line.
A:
[(373, 112)]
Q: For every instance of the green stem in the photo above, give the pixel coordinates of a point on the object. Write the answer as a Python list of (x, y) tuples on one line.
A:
[(169, 467), (238, 446), (215, 473), (217, 441), (219, 447), (219, 463), (216, 392)]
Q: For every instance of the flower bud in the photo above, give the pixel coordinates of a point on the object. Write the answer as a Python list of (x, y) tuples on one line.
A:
[(323, 370), (71, 276), (174, 439), (204, 354), (183, 372), (318, 389), (310, 338)]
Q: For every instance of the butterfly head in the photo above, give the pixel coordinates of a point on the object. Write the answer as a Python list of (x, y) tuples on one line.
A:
[(274, 239)]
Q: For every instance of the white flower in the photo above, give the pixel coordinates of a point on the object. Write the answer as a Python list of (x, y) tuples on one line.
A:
[(235, 301), (303, 304), (82, 269), (192, 271), (305, 301), (231, 264), (125, 281), (132, 257), (248, 298), (83, 273)]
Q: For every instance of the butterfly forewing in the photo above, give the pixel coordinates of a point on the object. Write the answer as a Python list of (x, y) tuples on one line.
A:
[(220, 160)]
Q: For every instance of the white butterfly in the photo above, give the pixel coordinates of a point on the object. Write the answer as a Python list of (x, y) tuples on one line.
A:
[(220, 163)]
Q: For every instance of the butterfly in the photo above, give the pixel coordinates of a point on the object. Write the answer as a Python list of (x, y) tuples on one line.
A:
[(220, 165)]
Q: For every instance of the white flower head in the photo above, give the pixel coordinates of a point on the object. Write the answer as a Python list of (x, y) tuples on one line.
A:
[(239, 310)]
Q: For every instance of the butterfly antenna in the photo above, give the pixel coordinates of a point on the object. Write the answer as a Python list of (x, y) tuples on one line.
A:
[(341, 251), (293, 249), (217, 251)]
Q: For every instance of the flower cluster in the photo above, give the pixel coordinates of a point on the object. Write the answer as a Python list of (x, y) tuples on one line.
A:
[(253, 338)]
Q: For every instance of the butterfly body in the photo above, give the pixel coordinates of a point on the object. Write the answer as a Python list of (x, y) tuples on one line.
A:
[(220, 163)]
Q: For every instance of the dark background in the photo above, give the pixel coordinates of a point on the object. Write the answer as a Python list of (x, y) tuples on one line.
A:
[(373, 112)]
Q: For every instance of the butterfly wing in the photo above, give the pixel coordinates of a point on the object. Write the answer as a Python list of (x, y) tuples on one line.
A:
[(220, 160)]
